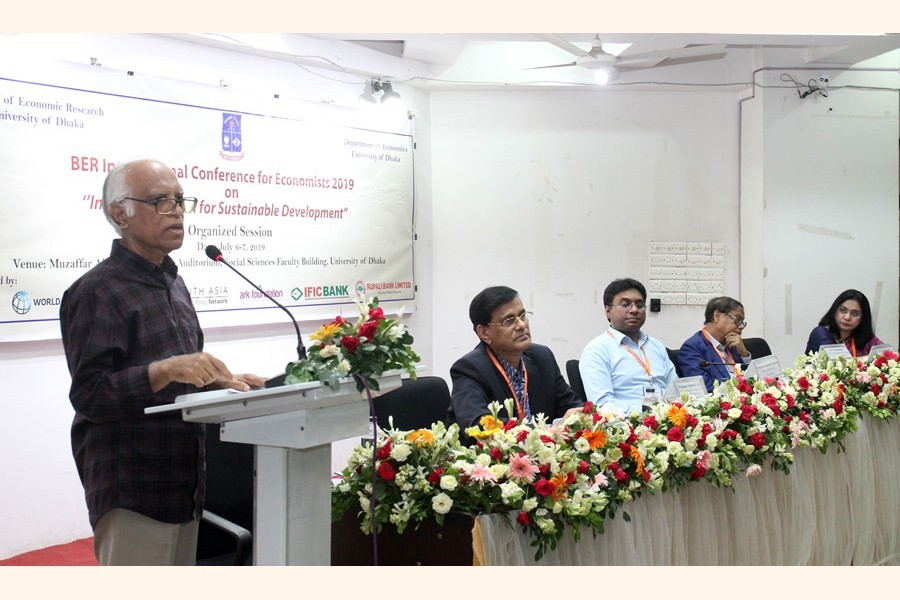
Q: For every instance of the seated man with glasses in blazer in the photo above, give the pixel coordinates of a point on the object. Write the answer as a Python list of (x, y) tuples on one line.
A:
[(505, 364)]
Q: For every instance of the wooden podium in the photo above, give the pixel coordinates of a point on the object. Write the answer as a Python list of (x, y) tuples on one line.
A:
[(292, 428)]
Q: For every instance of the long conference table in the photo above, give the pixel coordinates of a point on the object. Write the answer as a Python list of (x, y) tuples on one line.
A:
[(838, 508)]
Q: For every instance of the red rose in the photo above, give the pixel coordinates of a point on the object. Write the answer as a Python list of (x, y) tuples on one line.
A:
[(544, 469), (620, 475), (596, 417), (790, 400), (376, 314), (546, 439), (349, 343), (496, 454), (570, 477), (744, 387), (544, 487), (747, 412), (758, 440), (692, 420), (625, 448), (435, 476), (823, 376), (697, 473), (387, 471), (675, 435), (804, 416), (510, 424), (367, 330), (876, 389), (838, 407), (632, 438), (384, 451), (522, 435), (725, 405), (803, 383), (583, 467), (588, 407), (646, 476), (523, 519), (651, 423), (728, 434)]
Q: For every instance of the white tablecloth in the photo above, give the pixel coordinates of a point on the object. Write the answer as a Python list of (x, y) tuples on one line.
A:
[(831, 509)]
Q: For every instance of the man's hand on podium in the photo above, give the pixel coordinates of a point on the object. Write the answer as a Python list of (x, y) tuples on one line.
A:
[(200, 369)]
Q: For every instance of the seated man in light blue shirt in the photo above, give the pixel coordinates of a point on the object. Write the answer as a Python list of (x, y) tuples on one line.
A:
[(624, 369)]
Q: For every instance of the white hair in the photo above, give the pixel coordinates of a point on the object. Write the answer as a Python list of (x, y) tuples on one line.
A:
[(116, 188)]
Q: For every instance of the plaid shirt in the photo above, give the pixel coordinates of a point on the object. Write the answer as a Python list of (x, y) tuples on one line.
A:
[(116, 319)]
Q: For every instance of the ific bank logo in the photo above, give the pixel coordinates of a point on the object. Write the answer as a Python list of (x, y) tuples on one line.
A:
[(317, 292)]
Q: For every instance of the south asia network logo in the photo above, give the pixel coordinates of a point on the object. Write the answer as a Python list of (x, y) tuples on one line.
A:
[(21, 302)]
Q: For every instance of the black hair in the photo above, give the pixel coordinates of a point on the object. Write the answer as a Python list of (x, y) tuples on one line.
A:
[(620, 285), (723, 304), (863, 333), (485, 302)]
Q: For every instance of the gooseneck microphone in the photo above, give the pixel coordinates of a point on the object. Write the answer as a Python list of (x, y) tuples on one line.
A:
[(215, 254), (706, 363)]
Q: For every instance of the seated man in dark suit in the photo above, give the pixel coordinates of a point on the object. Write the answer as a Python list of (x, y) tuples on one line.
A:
[(505, 364), (717, 350)]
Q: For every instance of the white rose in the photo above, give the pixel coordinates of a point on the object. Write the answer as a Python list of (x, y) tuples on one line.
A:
[(449, 483), (400, 452), (510, 492), (529, 505), (344, 367), (582, 445), (499, 470), (441, 503), (734, 413), (329, 351), (483, 459)]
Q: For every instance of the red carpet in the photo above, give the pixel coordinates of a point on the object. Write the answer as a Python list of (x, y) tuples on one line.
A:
[(74, 554)]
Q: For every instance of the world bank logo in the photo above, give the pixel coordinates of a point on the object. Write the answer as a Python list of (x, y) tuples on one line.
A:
[(21, 302)]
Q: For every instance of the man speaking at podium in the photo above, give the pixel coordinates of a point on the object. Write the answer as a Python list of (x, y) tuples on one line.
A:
[(132, 340)]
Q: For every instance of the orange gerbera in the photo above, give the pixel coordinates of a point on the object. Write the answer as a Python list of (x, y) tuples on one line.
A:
[(420, 437), (559, 490), (597, 439), (635, 455), (677, 416)]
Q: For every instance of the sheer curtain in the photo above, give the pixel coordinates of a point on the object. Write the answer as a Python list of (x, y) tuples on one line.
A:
[(831, 509)]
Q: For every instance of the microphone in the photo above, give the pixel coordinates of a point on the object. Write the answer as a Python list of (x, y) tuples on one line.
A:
[(215, 254), (706, 363)]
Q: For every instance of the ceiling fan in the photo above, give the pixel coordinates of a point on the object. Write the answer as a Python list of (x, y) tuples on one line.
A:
[(598, 59)]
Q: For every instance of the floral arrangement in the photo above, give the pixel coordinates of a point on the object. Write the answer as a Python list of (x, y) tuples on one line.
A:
[(364, 349), (578, 473)]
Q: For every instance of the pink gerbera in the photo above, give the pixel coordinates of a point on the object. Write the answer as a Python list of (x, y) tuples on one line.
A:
[(521, 468), (481, 474)]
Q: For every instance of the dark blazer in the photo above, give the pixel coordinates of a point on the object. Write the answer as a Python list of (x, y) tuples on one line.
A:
[(476, 383), (695, 350)]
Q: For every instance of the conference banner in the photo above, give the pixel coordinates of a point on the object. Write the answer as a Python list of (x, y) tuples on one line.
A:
[(307, 202)]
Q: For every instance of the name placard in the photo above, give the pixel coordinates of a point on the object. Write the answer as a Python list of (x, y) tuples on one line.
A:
[(878, 350), (835, 350), (767, 366), (693, 386)]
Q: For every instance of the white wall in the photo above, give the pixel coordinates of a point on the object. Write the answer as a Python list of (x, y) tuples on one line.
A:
[(558, 193), (830, 203)]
